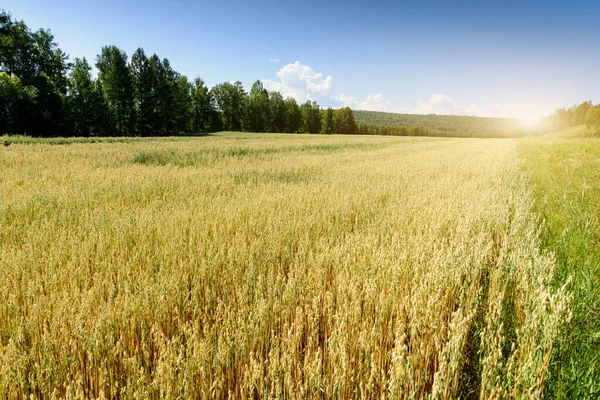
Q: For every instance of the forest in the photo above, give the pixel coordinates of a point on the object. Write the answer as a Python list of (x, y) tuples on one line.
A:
[(44, 93), (446, 125), (584, 113), (384, 123)]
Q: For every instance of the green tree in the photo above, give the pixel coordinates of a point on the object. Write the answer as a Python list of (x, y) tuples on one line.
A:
[(563, 118), (293, 116), (277, 113), (167, 98), (166, 95), (580, 113), (311, 117), (230, 99), (344, 121), (51, 60), (37, 61), (142, 84), (183, 104), (328, 121), (88, 110), (154, 119), (593, 120), (205, 117), (17, 48), (117, 83), (256, 112), (16, 104)]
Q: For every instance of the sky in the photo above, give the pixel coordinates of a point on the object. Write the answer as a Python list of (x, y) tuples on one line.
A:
[(521, 59)]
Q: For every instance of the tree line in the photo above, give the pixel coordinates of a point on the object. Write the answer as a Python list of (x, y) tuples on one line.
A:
[(584, 113), (42, 93), (385, 123), (387, 130)]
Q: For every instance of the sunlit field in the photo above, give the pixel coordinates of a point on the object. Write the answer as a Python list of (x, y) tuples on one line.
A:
[(564, 171), (274, 266)]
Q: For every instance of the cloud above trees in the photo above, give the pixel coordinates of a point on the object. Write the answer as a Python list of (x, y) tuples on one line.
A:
[(373, 102), (300, 82), (303, 83)]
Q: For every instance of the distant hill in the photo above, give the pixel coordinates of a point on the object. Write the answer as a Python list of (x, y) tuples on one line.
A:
[(447, 125)]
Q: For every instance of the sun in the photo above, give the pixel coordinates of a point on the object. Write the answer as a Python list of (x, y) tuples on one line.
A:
[(531, 122)]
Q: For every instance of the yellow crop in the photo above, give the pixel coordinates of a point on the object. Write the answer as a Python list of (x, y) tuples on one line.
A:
[(272, 266)]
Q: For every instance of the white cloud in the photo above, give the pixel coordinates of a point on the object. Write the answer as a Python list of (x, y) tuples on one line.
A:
[(299, 74), (445, 105), (300, 82), (287, 91), (274, 60), (436, 104), (373, 102), (94, 72), (304, 83)]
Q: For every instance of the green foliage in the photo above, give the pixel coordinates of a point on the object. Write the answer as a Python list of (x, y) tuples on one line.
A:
[(565, 118), (229, 98), (311, 117), (42, 94), (328, 121), (256, 109), (205, 117), (593, 120), (393, 130), (339, 121), (565, 174), (444, 125), (182, 108), (344, 121), (117, 83), (143, 90), (35, 59), (16, 102), (277, 113), (294, 116), (86, 104)]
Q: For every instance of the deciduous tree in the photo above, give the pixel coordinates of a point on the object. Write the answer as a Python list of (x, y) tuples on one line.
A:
[(293, 116), (311, 117), (117, 83), (230, 98)]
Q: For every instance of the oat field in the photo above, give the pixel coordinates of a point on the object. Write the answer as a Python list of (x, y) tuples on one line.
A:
[(273, 266)]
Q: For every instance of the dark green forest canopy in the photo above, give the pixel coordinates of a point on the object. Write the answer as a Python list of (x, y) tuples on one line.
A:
[(43, 92)]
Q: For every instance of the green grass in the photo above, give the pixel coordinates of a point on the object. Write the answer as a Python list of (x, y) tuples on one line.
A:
[(565, 174)]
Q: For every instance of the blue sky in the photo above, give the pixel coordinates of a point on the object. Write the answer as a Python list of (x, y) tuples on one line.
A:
[(491, 58)]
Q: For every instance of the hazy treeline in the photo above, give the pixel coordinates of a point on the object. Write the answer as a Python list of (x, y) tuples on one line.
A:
[(401, 130), (383, 123), (373, 129), (443, 125), (42, 93), (584, 113)]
